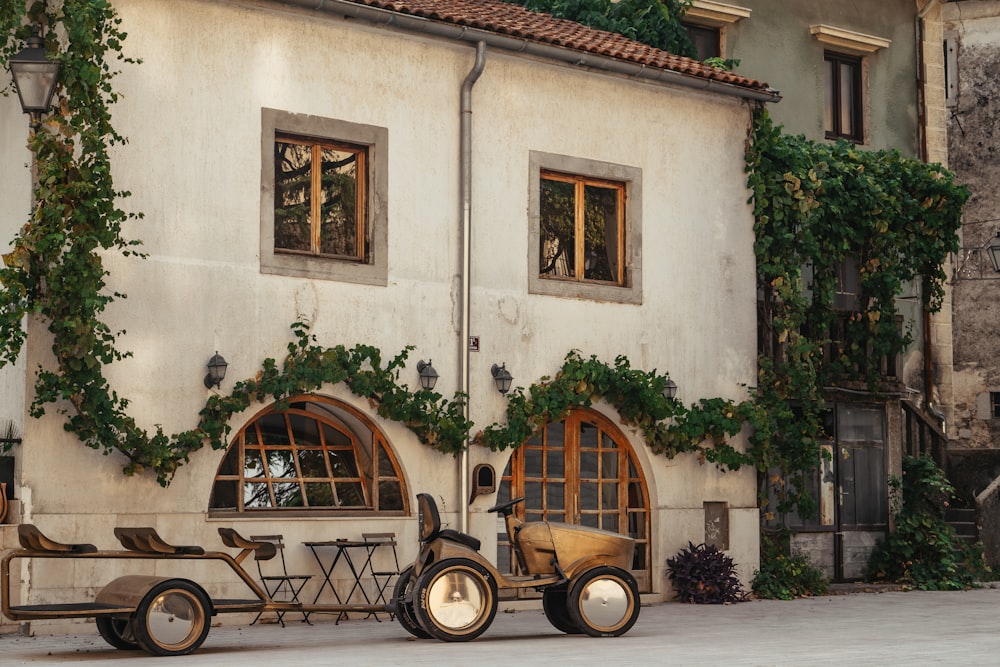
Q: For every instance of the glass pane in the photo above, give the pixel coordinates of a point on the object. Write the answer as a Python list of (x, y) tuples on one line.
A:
[(635, 495), (588, 435), (342, 464), (555, 435), (609, 465), (588, 465), (339, 203), (292, 196), (588, 496), (231, 464), (610, 522), (609, 496), (554, 497), (224, 494), (557, 233), (639, 559), (287, 494), (252, 465), (858, 424), (600, 242), (533, 495), (533, 463), (250, 436), (305, 430), (591, 520), (350, 494), (273, 430), (555, 516), (555, 464), (279, 463), (319, 494), (847, 99), (334, 437), (503, 493), (385, 468), (255, 495), (828, 115), (390, 497), (637, 525), (312, 463)]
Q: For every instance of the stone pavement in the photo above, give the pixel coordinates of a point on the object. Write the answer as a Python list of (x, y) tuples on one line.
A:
[(893, 628)]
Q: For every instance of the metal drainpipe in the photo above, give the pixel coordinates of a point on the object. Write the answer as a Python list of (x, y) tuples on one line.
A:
[(465, 150)]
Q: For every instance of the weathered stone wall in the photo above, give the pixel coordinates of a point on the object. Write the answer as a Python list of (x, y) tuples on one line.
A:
[(974, 155)]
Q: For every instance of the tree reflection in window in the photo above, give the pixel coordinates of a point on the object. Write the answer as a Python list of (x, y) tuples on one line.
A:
[(317, 454)]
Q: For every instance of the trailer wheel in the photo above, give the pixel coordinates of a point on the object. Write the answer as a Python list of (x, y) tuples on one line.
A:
[(172, 618), (118, 632), (556, 610), (456, 600), (404, 610), (604, 601)]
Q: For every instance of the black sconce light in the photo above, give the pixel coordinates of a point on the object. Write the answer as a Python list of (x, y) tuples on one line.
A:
[(993, 250), (428, 376), (669, 389), (35, 77), (216, 371), (502, 377)]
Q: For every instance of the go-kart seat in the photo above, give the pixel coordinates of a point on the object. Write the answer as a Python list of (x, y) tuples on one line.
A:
[(430, 525)]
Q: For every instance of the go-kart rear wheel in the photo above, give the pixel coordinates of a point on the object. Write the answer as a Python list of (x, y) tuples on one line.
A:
[(604, 601), (117, 632), (404, 610), (556, 610), (173, 618), (455, 600)]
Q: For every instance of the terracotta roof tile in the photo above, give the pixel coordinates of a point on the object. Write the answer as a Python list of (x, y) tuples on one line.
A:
[(505, 18)]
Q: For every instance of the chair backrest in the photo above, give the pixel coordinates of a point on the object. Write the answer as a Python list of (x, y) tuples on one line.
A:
[(279, 545), (430, 520), (383, 539)]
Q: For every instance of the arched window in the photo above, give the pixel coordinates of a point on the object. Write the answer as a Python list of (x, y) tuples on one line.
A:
[(581, 471), (317, 455)]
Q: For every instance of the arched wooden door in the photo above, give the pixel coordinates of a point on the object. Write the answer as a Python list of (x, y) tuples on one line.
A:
[(580, 471)]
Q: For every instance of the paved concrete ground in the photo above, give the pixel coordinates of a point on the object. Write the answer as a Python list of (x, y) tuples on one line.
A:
[(894, 628)]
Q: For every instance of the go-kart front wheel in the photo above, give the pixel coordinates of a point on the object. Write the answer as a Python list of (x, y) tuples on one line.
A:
[(404, 610), (173, 618), (455, 600), (604, 601)]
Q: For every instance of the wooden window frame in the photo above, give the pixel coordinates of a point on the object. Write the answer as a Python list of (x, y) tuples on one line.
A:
[(370, 476), (833, 102), (629, 289), (371, 267)]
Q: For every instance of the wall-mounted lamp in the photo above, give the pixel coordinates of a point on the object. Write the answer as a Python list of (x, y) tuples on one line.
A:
[(669, 389), (35, 77), (428, 376), (216, 371), (502, 377)]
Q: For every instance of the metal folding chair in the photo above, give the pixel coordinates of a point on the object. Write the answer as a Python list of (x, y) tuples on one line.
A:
[(282, 587), (384, 576)]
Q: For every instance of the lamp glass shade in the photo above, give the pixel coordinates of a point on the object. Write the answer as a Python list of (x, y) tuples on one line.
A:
[(428, 376), (993, 250), (216, 370), (502, 378), (669, 389), (35, 77)]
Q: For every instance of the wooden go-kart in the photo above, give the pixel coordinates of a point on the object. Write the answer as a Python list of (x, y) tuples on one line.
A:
[(450, 590)]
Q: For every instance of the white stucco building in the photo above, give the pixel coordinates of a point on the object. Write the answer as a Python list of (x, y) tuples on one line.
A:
[(234, 100)]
